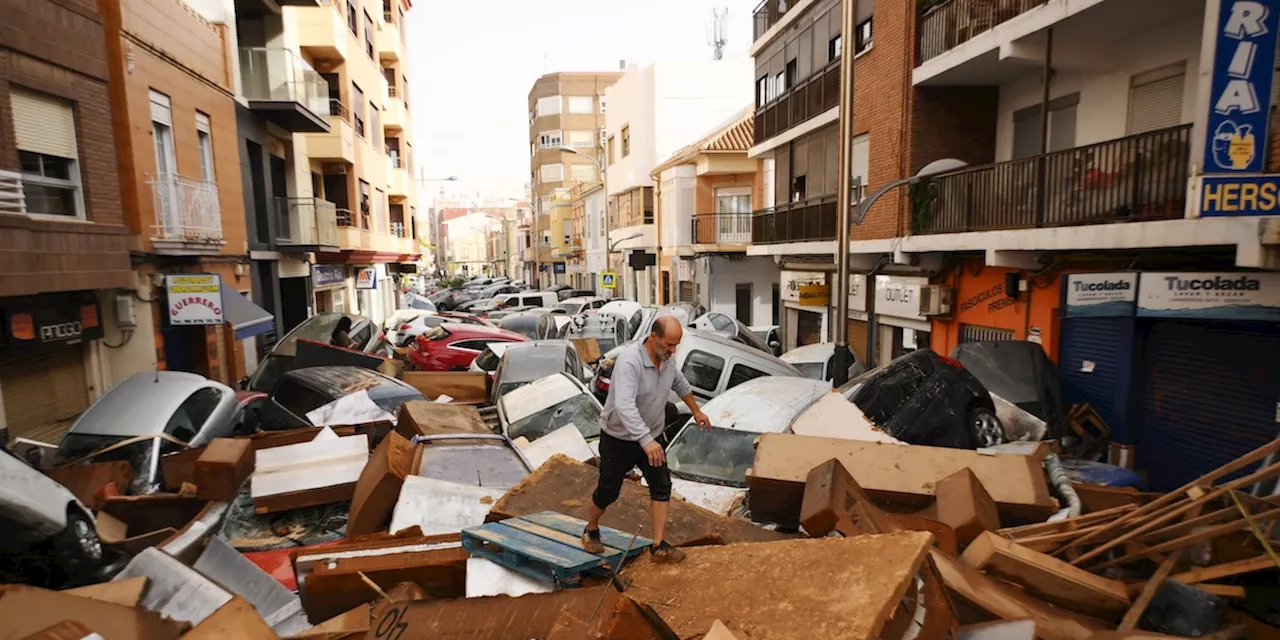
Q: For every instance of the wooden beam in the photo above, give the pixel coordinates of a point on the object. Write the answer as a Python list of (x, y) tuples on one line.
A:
[(1187, 540), (1070, 524), (1248, 565), (1135, 612), (1047, 577)]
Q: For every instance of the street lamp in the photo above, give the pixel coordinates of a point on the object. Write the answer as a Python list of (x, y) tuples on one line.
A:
[(635, 281)]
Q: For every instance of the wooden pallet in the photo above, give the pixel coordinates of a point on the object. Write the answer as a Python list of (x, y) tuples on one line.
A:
[(547, 546)]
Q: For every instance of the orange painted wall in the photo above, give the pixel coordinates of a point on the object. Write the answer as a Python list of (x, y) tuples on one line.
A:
[(980, 300)]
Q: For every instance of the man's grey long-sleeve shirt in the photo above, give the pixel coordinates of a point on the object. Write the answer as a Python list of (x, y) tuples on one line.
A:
[(637, 404)]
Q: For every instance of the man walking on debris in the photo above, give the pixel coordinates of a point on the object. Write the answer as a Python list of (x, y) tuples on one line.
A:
[(634, 417)]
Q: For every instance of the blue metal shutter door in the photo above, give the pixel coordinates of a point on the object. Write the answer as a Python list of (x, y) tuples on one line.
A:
[(1095, 361), (1210, 396)]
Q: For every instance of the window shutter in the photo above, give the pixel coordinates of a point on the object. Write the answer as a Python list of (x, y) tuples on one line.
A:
[(1155, 101), (161, 109), (43, 124), (202, 122)]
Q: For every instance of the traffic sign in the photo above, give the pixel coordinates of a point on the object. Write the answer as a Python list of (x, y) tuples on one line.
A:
[(609, 280)]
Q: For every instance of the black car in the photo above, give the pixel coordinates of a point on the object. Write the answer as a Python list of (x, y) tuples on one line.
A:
[(925, 398), (303, 390)]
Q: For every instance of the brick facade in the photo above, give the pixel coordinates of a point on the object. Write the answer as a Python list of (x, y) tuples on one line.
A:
[(57, 48)]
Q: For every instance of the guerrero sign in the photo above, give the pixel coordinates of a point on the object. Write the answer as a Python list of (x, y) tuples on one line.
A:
[(1241, 92), (194, 299)]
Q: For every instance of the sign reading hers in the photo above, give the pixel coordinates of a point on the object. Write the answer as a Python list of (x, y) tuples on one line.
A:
[(1100, 294), (1240, 102), (1220, 296), (194, 299)]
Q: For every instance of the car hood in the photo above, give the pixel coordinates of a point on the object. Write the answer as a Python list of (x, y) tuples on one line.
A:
[(721, 500)]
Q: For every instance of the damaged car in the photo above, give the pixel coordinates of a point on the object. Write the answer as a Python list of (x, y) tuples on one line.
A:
[(541, 407), (302, 391), (526, 362), (43, 523), (1021, 373)]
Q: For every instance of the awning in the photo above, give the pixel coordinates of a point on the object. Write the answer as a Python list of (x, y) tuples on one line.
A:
[(243, 315)]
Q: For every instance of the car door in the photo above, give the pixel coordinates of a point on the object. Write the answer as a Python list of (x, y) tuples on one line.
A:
[(705, 372), (573, 364), (212, 419), (886, 400)]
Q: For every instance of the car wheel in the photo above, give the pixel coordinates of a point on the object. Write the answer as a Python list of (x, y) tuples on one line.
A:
[(79, 549), (984, 427)]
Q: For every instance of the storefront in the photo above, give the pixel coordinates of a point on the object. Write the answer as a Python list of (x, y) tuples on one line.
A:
[(805, 296), (44, 383), (858, 328), (329, 284), (208, 326), (900, 329), (295, 293), (995, 303), (1193, 383)]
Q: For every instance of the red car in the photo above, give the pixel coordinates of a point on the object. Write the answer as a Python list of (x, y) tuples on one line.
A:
[(452, 346)]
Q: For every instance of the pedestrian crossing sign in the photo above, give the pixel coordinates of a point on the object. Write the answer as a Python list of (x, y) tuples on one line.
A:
[(609, 280)]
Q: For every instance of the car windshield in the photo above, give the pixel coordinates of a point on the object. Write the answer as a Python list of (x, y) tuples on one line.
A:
[(487, 361), (811, 370), (246, 530), (716, 456), (582, 411), (532, 363), (486, 464), (570, 308), (141, 456)]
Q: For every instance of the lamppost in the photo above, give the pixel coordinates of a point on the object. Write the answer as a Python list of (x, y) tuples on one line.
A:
[(435, 216), (598, 161), (635, 281)]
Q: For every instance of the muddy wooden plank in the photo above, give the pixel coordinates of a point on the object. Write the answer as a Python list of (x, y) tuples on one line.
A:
[(1046, 577), (430, 418), (846, 587), (493, 618), (1088, 520), (465, 387), (565, 486), (1225, 570)]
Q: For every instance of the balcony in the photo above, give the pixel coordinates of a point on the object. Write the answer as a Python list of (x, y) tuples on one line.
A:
[(813, 96), (397, 177), (951, 23), (811, 220), (768, 13), (324, 34), (349, 219), (1138, 178), (397, 230), (188, 215), (393, 117), (12, 195), (281, 85), (390, 46), (306, 224), (721, 228), (339, 144)]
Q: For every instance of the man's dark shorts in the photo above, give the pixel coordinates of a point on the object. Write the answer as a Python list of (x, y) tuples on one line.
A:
[(617, 459)]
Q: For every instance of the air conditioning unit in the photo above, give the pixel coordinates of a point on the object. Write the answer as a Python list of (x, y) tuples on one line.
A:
[(936, 300)]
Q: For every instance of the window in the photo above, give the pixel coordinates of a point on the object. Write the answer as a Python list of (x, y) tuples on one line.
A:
[(791, 72), (204, 140), (834, 49), (351, 19), (626, 141), (611, 153), (582, 139), (861, 165), (770, 182), (474, 345), (404, 88), (582, 105), (721, 322), (583, 172), (863, 34), (762, 91), (742, 373), (379, 206), (780, 83), (162, 127), (703, 370), (1155, 99), (548, 106), (376, 126), (882, 400), (551, 173), (185, 423), (45, 133), (364, 204), (733, 200), (368, 35), (551, 139), (299, 399), (357, 108)]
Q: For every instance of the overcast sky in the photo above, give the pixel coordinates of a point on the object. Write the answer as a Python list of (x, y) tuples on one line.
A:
[(472, 63)]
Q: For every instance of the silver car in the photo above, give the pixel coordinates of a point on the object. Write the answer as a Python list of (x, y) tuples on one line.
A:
[(36, 510), (162, 412), (815, 361)]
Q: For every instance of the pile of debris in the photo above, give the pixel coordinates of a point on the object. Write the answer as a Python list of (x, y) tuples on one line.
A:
[(435, 527)]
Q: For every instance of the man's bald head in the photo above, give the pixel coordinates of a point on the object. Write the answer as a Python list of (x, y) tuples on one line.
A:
[(668, 327), (664, 337)]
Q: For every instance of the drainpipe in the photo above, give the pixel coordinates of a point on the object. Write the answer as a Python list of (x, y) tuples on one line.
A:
[(1042, 164)]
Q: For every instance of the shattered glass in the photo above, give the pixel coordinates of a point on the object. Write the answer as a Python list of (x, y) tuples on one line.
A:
[(246, 530)]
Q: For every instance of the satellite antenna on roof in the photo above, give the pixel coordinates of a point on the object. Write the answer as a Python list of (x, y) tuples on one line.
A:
[(717, 32)]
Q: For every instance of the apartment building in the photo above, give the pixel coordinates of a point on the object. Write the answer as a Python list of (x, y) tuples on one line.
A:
[(654, 110), (705, 194), (566, 146), (591, 231), (64, 246)]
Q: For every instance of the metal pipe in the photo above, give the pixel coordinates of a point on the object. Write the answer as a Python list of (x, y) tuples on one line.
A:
[(843, 358), (1042, 165)]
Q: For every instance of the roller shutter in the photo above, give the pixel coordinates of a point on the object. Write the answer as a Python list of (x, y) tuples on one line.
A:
[(44, 394), (1210, 396), (686, 291), (43, 124), (1155, 99), (858, 339), (1094, 362), (976, 333)]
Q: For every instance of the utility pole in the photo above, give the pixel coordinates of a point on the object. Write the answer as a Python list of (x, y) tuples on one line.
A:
[(843, 358)]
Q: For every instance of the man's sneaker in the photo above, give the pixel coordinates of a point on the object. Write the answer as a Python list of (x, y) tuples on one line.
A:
[(666, 553), (591, 541)]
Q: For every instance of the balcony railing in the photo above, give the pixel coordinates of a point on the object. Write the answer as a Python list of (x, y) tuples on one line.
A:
[(392, 91), (1141, 177), (397, 229), (817, 94), (806, 221), (187, 209), (722, 228), (768, 13), (636, 219), (12, 195), (950, 23), (307, 222), (273, 74), (347, 218), (339, 110)]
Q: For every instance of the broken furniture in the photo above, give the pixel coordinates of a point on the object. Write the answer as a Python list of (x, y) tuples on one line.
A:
[(547, 546), (307, 474)]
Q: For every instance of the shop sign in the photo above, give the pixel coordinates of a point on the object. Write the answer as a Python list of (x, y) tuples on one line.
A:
[(792, 281), (1100, 294), (367, 278), (899, 296), (558, 267), (1225, 196), (35, 323), (1210, 296), (1240, 98), (328, 275), (194, 299), (858, 295), (813, 295)]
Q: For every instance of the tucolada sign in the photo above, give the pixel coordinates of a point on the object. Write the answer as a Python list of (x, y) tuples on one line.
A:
[(1214, 296), (1100, 294)]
